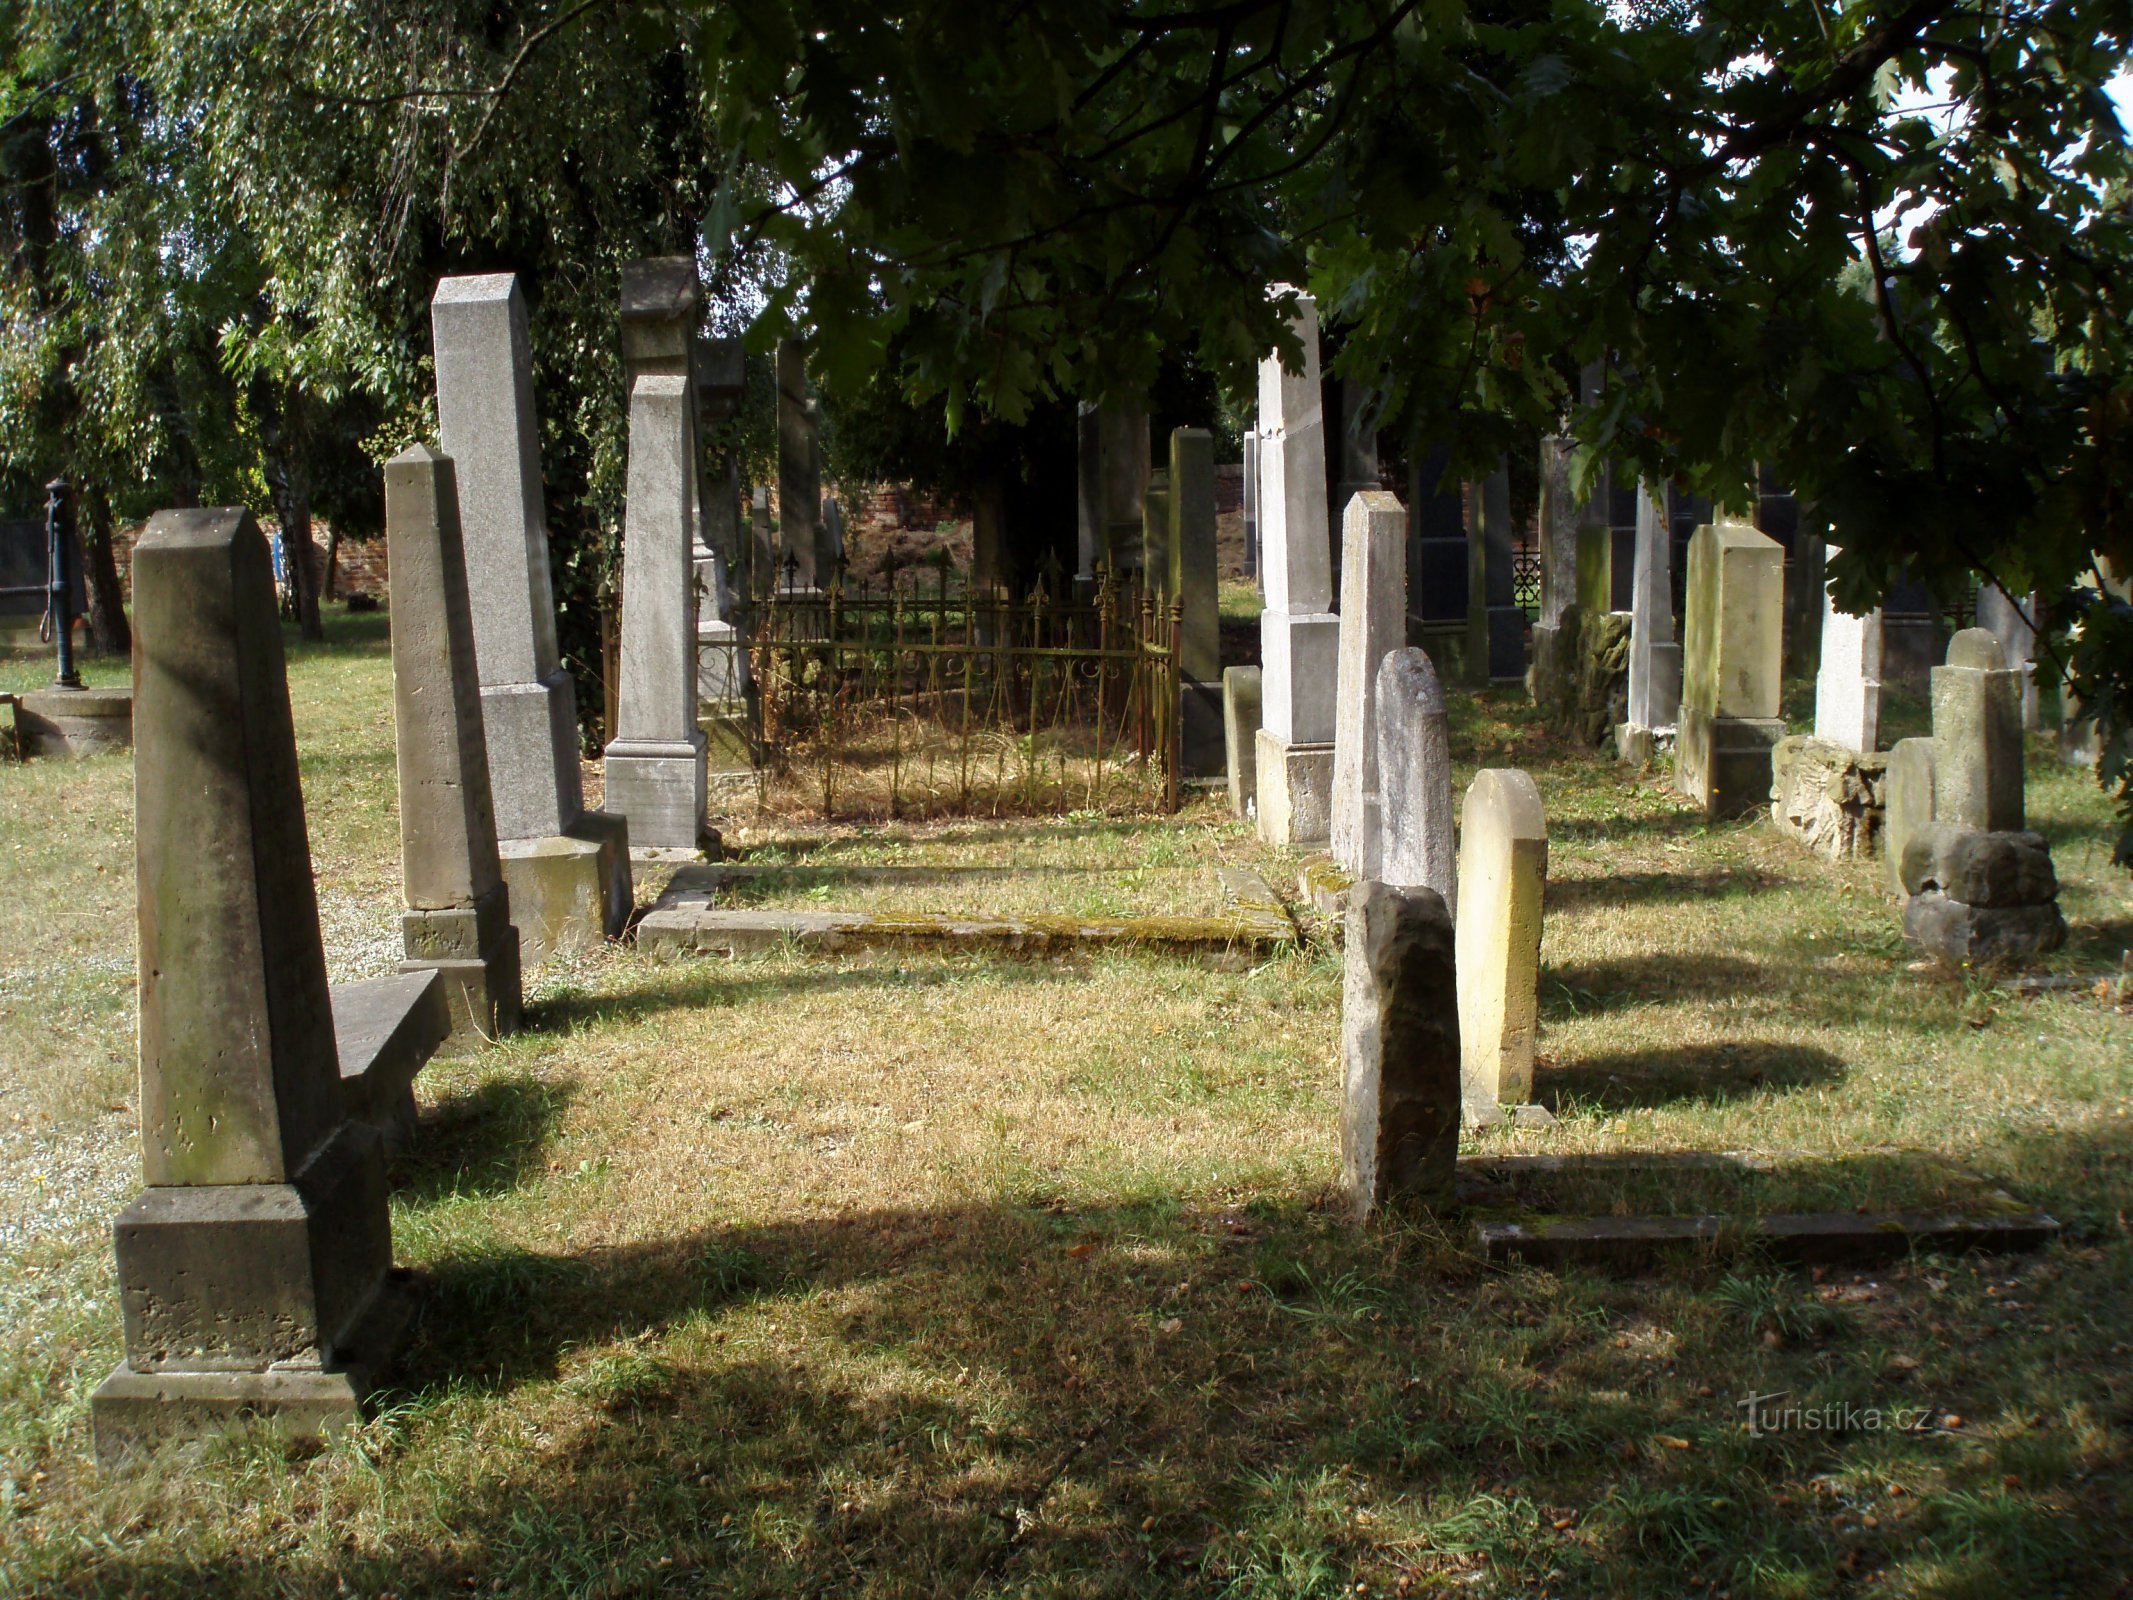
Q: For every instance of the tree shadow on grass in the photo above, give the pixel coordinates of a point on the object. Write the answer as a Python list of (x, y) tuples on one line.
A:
[(990, 1398), (486, 1141), (1713, 1074), (1662, 978), (1630, 888)]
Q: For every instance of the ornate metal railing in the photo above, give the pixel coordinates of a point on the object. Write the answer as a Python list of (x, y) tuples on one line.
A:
[(1526, 579), (911, 696)]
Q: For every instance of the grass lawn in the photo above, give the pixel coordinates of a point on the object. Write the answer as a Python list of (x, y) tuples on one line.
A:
[(904, 1273)]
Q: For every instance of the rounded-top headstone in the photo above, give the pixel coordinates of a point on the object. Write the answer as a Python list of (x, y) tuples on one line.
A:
[(1977, 647)]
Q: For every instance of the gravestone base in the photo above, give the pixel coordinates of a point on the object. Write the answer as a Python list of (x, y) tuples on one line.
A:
[(571, 890), (1543, 675), (719, 674), (67, 724), (1202, 747), (1827, 796), (1635, 746), (659, 787), (1723, 763), (1240, 737), (134, 1411), (1294, 791), (1966, 935), (1506, 627), (475, 948), (729, 744)]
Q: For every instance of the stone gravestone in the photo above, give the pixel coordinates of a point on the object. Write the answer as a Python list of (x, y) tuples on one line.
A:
[(1126, 462), (1372, 625), (568, 869), (1299, 637), (1559, 517), (1730, 669), (1351, 456), (1848, 680), (2013, 622), (1977, 736), (1503, 868), (1194, 583), (1415, 777), (255, 1268), (1240, 737), (1088, 493), (655, 762), (1155, 535), (1251, 503), (1654, 657), (1399, 1052), (458, 916), (1907, 803), (799, 473)]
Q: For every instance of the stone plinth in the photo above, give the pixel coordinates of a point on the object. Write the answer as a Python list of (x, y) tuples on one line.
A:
[(1731, 664), (255, 1270), (1373, 623), (68, 724), (655, 763), (1503, 868), (1827, 796), (1415, 776), (1399, 1052), (1977, 734), (1979, 897), (458, 917)]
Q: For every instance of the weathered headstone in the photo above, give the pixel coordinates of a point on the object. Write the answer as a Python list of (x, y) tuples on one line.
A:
[(1194, 583), (255, 1269), (799, 473), (1126, 463), (1372, 625), (1654, 657), (1503, 869), (458, 916), (2012, 620), (1251, 503), (655, 762), (1415, 777), (1558, 527), (1088, 490), (1977, 896), (1299, 637), (1977, 736), (1907, 803), (1399, 1051), (1155, 534), (1731, 661), (568, 869), (1848, 683), (1240, 737)]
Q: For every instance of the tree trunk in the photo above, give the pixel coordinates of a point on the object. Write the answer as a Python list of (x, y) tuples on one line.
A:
[(330, 590), (108, 630)]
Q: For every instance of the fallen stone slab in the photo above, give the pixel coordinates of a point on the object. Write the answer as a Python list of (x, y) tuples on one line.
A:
[(1812, 1238), (385, 1030), (686, 921)]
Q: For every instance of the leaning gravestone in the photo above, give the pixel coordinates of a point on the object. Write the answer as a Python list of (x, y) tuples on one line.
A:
[(1415, 777), (458, 916), (1503, 869), (568, 868), (1731, 661), (1372, 624), (655, 762), (255, 1269), (1399, 1051), (1299, 637)]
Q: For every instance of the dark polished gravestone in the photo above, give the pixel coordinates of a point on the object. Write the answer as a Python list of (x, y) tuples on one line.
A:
[(255, 1268)]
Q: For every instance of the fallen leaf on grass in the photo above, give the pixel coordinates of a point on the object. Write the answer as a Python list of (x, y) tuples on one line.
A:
[(1671, 1442)]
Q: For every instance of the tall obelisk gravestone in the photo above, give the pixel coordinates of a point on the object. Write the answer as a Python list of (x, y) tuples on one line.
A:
[(1194, 581), (458, 916), (1299, 637), (568, 868), (255, 1269)]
